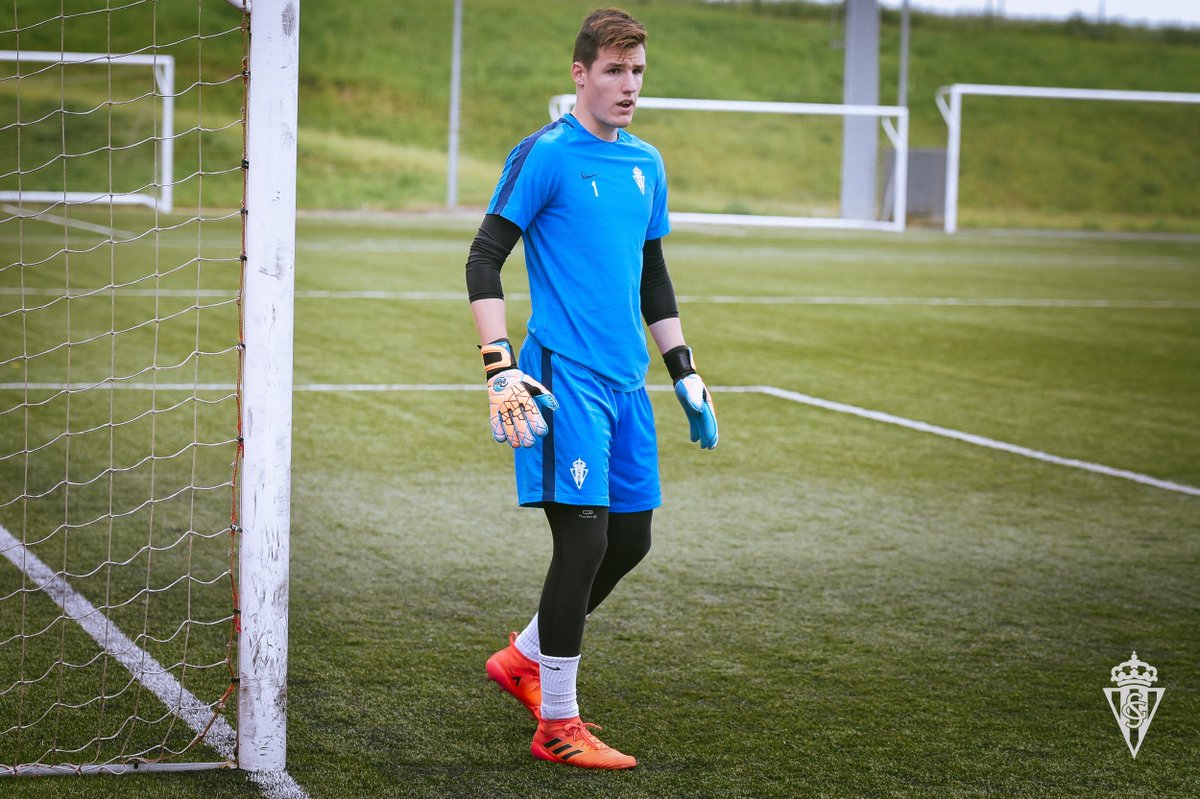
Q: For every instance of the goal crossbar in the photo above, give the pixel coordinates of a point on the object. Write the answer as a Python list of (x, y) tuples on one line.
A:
[(164, 81), (949, 103), (897, 134)]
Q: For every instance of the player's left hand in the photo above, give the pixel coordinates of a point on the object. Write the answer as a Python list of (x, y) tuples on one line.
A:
[(693, 396), (697, 404)]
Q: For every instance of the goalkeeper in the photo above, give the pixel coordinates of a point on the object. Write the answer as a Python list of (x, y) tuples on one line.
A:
[(590, 201)]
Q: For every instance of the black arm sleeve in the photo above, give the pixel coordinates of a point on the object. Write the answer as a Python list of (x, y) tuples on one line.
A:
[(495, 240), (658, 295)]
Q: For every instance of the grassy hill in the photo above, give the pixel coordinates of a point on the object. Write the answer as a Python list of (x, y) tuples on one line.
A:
[(375, 86)]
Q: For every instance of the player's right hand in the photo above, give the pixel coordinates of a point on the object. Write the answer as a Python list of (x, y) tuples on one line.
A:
[(515, 400)]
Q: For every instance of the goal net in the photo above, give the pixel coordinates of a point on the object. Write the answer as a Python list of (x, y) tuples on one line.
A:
[(125, 336), (783, 166)]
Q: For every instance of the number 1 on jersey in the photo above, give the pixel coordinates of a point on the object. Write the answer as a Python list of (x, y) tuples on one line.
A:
[(594, 189)]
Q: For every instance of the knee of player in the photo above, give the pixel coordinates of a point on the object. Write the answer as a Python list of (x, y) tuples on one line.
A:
[(639, 547), (644, 544), (632, 537), (596, 546)]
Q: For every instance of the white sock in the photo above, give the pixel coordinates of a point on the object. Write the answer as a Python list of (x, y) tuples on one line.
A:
[(528, 642), (559, 700)]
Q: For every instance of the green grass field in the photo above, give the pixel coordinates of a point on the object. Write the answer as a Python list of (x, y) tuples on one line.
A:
[(834, 606)]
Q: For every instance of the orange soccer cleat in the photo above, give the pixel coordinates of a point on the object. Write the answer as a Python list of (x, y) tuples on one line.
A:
[(570, 741), (518, 675)]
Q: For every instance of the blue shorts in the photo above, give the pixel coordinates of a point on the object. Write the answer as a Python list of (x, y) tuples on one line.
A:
[(601, 448)]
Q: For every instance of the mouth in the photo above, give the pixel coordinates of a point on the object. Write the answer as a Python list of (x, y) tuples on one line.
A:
[(627, 105)]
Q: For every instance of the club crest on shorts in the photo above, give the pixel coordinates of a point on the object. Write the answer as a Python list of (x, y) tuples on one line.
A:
[(1133, 701), (639, 178), (579, 471)]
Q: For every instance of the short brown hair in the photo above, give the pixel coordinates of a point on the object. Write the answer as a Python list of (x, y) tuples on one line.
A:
[(607, 27)]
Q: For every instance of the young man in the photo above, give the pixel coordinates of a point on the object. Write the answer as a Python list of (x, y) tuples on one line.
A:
[(590, 201)]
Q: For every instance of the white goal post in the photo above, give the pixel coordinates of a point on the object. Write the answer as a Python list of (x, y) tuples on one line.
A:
[(897, 134), (164, 80), (269, 276), (949, 102)]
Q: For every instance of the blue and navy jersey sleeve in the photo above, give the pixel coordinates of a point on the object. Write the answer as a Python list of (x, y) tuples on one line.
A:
[(660, 223), (528, 183)]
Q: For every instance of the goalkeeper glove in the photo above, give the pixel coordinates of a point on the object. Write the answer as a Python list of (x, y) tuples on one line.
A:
[(516, 400), (693, 396)]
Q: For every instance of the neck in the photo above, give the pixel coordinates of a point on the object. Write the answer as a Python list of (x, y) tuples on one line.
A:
[(594, 126)]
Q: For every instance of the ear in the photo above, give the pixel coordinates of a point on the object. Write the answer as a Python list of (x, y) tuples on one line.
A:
[(578, 73)]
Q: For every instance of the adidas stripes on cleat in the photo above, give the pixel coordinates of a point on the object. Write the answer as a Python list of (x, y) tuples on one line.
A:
[(518, 675), (570, 741)]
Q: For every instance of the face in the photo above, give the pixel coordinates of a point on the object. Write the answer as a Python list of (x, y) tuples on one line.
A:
[(606, 94)]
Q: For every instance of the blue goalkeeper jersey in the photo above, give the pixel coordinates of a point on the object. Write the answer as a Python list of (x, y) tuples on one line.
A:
[(585, 208)]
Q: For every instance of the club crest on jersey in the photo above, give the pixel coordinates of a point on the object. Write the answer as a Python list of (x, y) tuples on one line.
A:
[(579, 471), (640, 179), (1133, 701)]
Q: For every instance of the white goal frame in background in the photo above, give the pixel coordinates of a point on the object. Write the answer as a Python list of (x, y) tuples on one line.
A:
[(164, 81), (952, 114), (897, 134)]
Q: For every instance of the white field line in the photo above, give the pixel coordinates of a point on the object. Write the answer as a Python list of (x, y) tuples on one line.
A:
[(970, 438), (277, 785), (103, 292), (141, 664), (793, 396), (112, 233), (1112, 235), (717, 299), (1008, 252), (1017, 254), (974, 302)]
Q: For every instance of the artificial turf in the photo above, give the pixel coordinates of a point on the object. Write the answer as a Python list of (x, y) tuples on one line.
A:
[(833, 606)]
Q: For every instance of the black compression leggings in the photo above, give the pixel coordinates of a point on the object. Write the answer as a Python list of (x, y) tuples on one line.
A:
[(593, 550)]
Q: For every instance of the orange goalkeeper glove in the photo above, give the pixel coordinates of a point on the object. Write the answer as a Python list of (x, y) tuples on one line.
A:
[(515, 399)]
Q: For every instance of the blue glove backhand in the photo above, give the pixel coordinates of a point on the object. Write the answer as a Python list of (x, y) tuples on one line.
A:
[(693, 396), (697, 404)]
